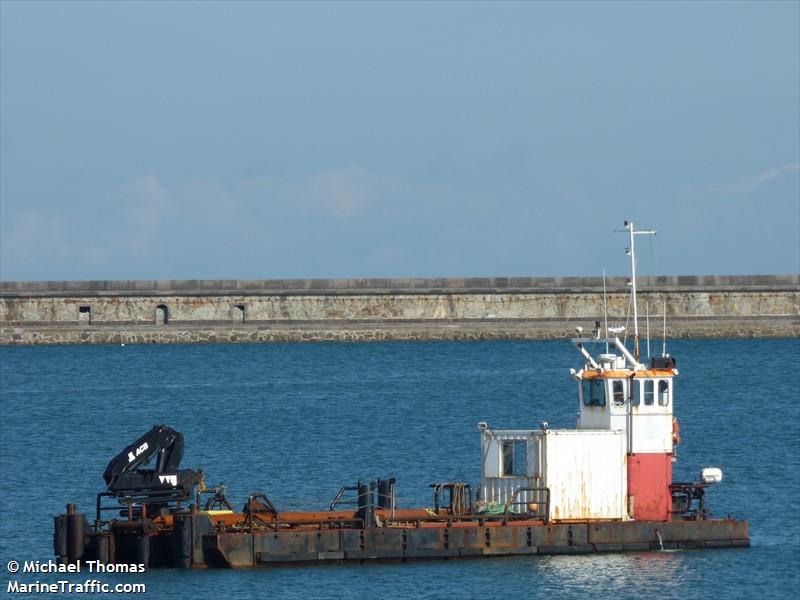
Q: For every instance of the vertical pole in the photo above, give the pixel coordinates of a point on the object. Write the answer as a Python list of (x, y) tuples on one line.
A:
[(633, 291), (605, 310), (76, 534), (366, 507), (632, 250), (143, 550)]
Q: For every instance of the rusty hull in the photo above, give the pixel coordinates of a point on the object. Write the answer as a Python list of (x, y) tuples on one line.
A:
[(224, 539), (459, 540)]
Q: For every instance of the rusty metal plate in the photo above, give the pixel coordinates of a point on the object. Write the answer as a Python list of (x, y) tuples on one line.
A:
[(228, 550)]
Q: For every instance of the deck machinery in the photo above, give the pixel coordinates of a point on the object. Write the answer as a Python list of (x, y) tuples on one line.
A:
[(605, 486)]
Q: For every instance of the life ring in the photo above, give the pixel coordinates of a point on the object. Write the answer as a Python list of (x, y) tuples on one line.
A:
[(676, 432)]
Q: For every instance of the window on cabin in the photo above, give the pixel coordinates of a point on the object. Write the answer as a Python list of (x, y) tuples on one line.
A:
[(515, 458), (663, 392), (649, 386), (594, 392), (618, 389), (636, 399)]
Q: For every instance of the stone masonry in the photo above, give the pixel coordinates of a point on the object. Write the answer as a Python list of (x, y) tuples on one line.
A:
[(193, 311)]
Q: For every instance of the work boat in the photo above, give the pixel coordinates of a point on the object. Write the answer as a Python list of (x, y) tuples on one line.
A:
[(605, 486), (617, 465)]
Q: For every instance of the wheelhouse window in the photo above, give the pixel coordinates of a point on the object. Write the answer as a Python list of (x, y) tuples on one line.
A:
[(636, 399), (649, 386), (515, 458), (594, 392), (663, 392), (618, 389)]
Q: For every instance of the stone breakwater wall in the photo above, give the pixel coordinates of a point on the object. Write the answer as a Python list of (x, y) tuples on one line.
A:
[(196, 311)]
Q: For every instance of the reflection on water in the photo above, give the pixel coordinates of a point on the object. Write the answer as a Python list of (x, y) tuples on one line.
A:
[(617, 573)]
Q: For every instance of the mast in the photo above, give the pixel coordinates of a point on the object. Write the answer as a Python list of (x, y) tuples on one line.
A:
[(632, 251), (605, 311)]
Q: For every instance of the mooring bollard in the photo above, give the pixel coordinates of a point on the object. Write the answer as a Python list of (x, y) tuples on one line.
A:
[(76, 534), (366, 507), (182, 534)]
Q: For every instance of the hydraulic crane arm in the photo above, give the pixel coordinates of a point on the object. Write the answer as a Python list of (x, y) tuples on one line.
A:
[(126, 476), (161, 442)]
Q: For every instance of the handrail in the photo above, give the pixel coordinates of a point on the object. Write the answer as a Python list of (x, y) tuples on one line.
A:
[(511, 501), (338, 499)]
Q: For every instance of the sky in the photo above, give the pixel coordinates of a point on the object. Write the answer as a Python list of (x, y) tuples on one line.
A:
[(156, 140)]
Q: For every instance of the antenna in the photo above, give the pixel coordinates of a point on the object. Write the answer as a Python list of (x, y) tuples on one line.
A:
[(664, 346), (632, 252), (605, 309), (647, 312)]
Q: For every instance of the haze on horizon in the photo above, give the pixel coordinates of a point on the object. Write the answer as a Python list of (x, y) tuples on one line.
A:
[(299, 140)]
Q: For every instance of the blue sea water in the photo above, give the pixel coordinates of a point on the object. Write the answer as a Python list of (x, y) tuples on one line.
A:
[(297, 421)]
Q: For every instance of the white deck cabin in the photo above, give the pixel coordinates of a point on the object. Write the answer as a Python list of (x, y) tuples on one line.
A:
[(625, 410)]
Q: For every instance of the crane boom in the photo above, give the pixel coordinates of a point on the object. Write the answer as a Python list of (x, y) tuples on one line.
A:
[(126, 476)]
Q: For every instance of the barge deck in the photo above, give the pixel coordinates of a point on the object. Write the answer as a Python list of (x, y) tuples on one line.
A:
[(201, 539)]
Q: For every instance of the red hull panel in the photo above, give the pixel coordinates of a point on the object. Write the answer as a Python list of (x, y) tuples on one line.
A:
[(649, 478)]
